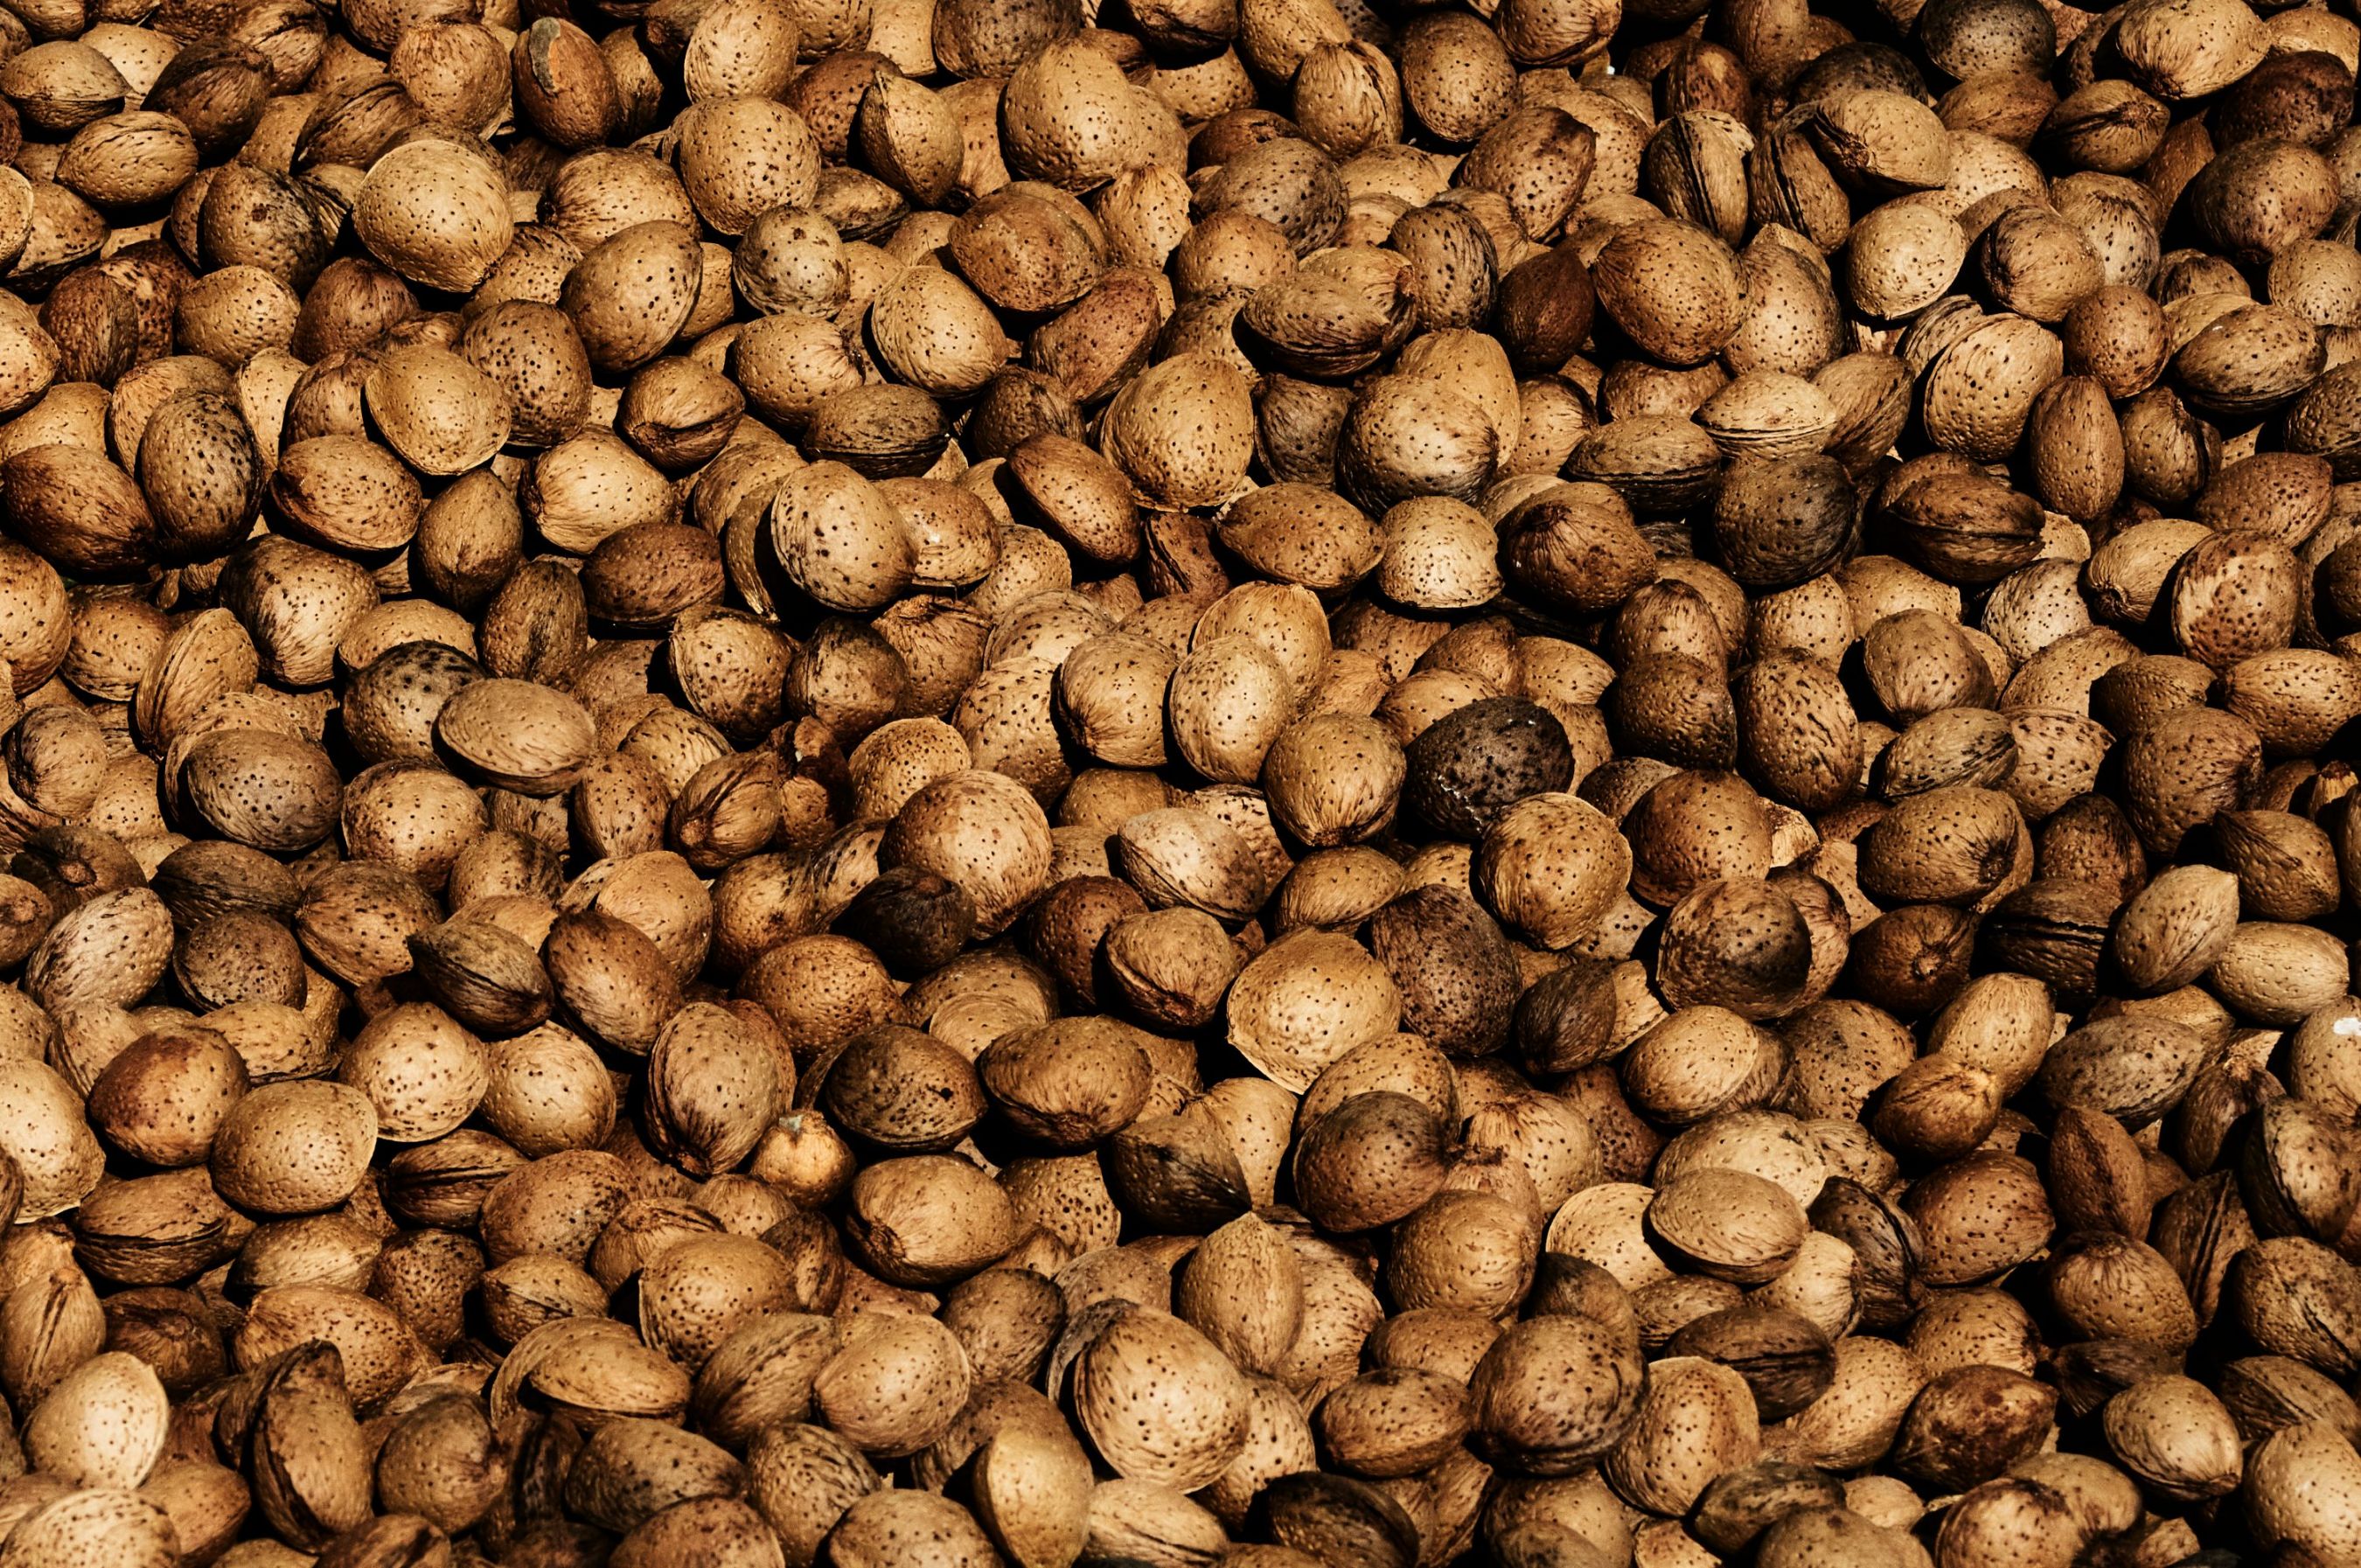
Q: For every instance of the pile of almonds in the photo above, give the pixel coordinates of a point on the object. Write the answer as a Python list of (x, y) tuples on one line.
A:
[(1207, 783)]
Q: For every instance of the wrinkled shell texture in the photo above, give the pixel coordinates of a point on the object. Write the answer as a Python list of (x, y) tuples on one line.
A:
[(1201, 784)]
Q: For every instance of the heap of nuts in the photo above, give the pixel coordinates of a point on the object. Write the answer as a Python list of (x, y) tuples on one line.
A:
[(1213, 784)]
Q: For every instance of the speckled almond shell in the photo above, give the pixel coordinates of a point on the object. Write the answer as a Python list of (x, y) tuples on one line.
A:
[(2302, 1478), (1228, 699), (95, 1527), (1768, 413), (695, 1294), (1348, 96), (2183, 768), (1903, 257), (1550, 866), (561, 83), (1942, 846), (517, 734), (1982, 1214), (741, 157), (2250, 360), (1033, 1488), (378, 1351), (928, 1220), (77, 508), (274, 792), (981, 829), (2130, 1068), (1413, 435), (1731, 1224), (297, 602), (103, 1425), (2325, 421), (1697, 1421), (1180, 855), (1159, 1402), (1552, 1395), (1659, 463), (1672, 287), (1540, 160), (713, 1086), (838, 539), (593, 197), (63, 84), (1184, 430), (1302, 534), (345, 491), (2175, 1434), (1977, 395), (57, 1158), (421, 1072), (593, 485), (2233, 596), (1110, 699), (295, 1147), (1696, 164), (1475, 365), (2187, 49), (2292, 695), (895, 1386), (30, 356), (878, 1529), (1886, 141), (1798, 731), (741, 48), (1339, 312), (1333, 778), (435, 213), (1438, 554), (1074, 493), (1458, 76), (1069, 118), (910, 138), (1030, 247), (128, 159), (1305, 1000), (632, 295), (202, 473), (1455, 971), (208, 655), (938, 332), (441, 413)]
